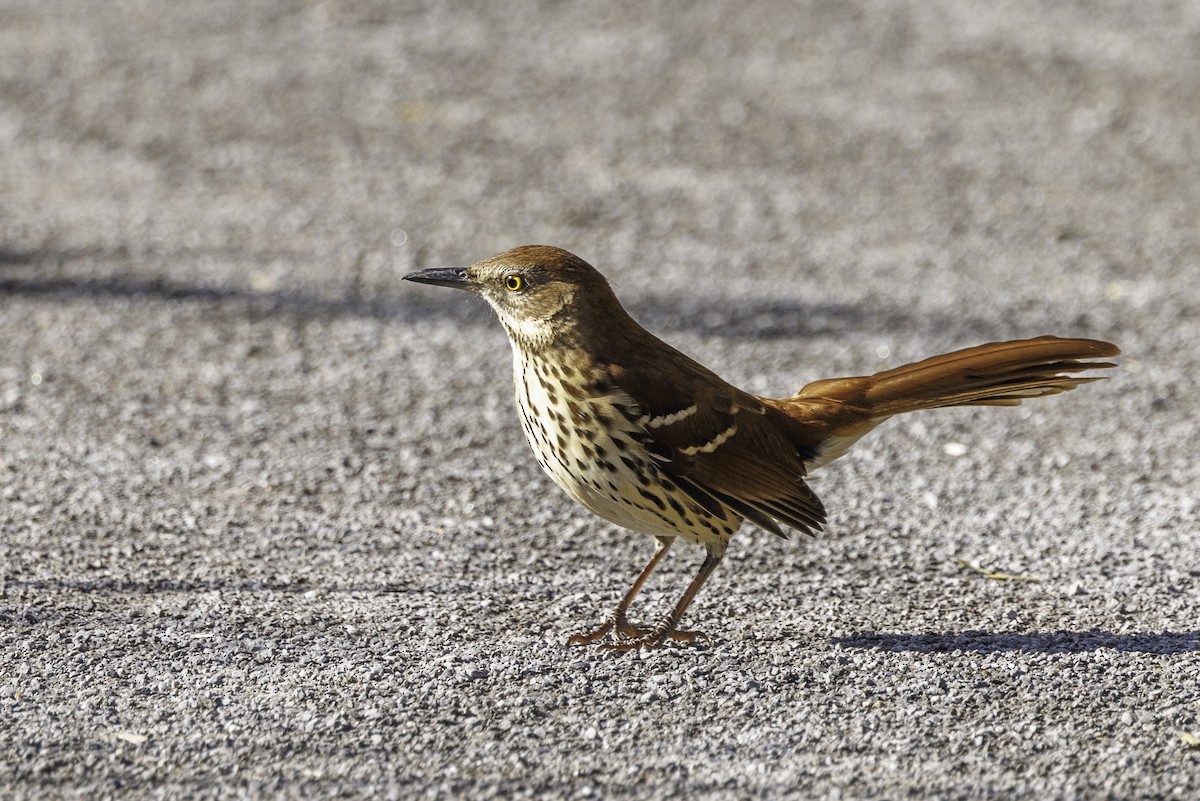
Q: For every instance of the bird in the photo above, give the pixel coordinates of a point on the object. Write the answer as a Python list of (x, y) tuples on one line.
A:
[(651, 440)]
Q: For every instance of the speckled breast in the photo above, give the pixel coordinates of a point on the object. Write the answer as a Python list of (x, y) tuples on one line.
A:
[(586, 436)]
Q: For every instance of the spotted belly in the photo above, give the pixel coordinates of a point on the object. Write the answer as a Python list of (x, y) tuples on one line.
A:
[(585, 435)]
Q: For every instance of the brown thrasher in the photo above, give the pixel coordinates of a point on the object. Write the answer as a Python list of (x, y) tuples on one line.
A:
[(646, 437)]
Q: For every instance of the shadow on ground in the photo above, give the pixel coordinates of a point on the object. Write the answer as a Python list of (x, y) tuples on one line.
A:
[(764, 320), (172, 585), (1050, 642)]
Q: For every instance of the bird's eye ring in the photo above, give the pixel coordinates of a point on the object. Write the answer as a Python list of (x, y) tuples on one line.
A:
[(514, 283)]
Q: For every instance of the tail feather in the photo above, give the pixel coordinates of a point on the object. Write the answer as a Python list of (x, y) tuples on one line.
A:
[(998, 372), (826, 417)]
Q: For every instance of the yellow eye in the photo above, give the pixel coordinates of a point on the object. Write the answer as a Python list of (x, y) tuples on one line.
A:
[(514, 283)]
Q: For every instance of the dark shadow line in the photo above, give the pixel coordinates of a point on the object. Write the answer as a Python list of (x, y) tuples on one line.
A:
[(1048, 642), (773, 320), (20, 257), (783, 319), (705, 315), (155, 586), (254, 303), (779, 319)]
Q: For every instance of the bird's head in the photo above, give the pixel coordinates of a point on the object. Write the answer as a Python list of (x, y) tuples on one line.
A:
[(534, 289)]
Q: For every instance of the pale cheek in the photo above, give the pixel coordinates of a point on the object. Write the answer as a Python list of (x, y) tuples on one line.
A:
[(527, 328), (529, 319)]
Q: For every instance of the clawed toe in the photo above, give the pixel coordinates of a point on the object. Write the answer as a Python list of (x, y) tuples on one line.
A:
[(617, 626), (654, 638), (625, 636), (595, 635)]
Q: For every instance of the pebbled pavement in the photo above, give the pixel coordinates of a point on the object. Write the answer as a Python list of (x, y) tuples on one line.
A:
[(267, 524)]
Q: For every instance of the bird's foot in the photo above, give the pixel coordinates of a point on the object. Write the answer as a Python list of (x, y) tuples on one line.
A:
[(636, 637), (615, 625), (628, 637)]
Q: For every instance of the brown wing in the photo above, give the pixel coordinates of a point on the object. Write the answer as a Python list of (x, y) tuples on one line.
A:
[(722, 445)]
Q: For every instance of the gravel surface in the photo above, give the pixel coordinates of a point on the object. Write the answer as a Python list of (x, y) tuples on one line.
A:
[(269, 528)]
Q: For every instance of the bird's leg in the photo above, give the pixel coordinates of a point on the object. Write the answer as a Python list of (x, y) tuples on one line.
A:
[(666, 630), (616, 623)]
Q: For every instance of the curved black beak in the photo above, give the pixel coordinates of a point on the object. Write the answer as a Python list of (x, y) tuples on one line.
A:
[(441, 276)]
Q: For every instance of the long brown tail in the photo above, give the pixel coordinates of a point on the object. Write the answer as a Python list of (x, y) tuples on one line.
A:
[(995, 374), (836, 412)]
